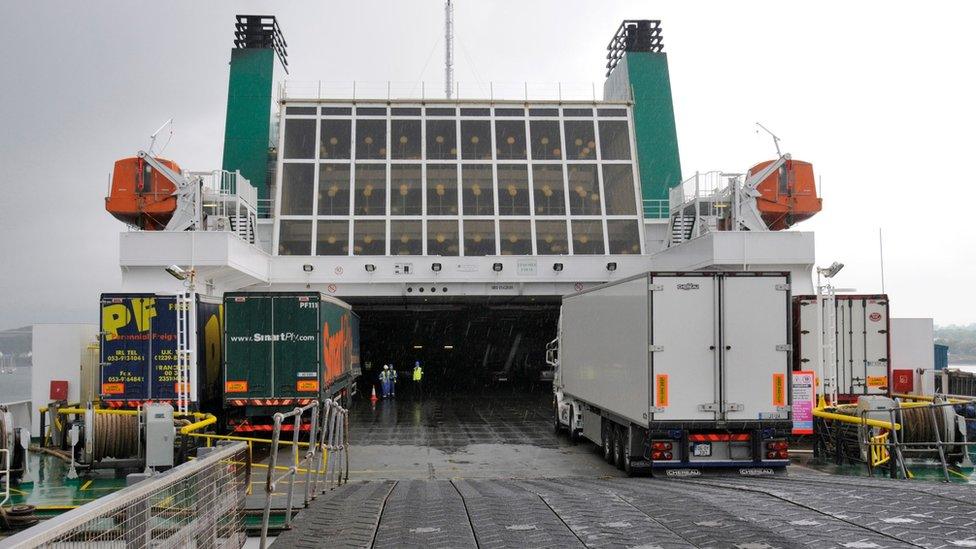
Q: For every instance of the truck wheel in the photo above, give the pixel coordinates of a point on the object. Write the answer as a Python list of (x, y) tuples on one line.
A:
[(607, 436), (618, 447), (574, 436)]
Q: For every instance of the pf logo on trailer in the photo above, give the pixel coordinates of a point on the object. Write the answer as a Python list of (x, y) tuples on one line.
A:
[(874, 317), (688, 286)]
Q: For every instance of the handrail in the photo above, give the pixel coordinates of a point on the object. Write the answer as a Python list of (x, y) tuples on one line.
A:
[(327, 430), (843, 418)]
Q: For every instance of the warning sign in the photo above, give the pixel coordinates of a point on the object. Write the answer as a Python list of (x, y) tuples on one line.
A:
[(804, 401), (661, 390), (113, 388), (779, 389), (235, 387), (308, 385), (877, 381)]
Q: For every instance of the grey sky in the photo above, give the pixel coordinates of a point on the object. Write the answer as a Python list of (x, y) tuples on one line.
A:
[(878, 95)]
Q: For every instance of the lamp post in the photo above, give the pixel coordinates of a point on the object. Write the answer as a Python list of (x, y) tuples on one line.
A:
[(827, 349)]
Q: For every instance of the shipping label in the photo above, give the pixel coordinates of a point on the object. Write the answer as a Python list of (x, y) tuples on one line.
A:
[(804, 401)]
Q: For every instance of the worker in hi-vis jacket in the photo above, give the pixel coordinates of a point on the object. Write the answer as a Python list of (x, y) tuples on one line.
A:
[(385, 381), (393, 380), (418, 376)]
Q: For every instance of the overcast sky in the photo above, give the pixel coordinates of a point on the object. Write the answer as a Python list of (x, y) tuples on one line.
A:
[(878, 95)]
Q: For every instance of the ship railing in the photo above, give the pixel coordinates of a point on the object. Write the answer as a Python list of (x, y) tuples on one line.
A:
[(325, 461), (200, 503), (230, 195), (265, 208), (477, 91), (656, 208)]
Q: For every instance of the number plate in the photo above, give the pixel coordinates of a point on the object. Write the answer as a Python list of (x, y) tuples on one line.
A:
[(702, 449)]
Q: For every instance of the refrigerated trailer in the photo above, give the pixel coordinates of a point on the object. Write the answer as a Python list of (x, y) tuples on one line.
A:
[(284, 349), (863, 342), (678, 372), (139, 349)]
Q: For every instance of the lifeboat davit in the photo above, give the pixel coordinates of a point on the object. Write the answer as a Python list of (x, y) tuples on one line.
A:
[(141, 196), (788, 196)]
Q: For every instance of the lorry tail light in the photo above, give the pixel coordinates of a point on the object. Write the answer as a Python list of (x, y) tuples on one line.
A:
[(667, 455), (784, 454), (661, 446), (777, 445), (658, 454), (771, 455)]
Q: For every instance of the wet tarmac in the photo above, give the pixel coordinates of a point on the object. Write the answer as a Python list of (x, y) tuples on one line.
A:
[(486, 470), (497, 433)]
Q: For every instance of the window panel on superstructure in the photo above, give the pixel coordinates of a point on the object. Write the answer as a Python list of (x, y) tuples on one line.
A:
[(510, 139), (548, 189), (406, 195), (476, 182), (405, 136), (332, 237), (580, 141), (584, 189), (515, 237), (295, 237), (297, 184), (336, 138), (441, 139), (624, 236), (406, 237), (618, 185), (513, 189), (370, 196), (550, 237), (547, 142), (614, 140), (442, 196), (479, 237), (370, 139), (369, 237), (587, 237), (475, 139), (334, 189), (442, 237), (299, 139)]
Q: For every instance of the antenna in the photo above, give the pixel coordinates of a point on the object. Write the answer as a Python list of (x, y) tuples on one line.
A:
[(448, 48), (152, 138), (881, 254), (775, 139)]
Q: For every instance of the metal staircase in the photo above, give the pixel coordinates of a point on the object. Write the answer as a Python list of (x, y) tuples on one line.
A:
[(682, 228)]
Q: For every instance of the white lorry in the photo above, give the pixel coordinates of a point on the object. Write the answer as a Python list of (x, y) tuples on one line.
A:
[(678, 372)]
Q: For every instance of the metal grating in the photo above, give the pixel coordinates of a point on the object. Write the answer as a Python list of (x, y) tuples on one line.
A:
[(634, 35), (261, 31)]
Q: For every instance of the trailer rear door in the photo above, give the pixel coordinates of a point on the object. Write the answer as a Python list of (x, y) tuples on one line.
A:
[(754, 339), (683, 325), (876, 344), (248, 348), (296, 346)]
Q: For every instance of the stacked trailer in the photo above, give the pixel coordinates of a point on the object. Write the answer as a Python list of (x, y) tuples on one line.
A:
[(285, 349), (145, 356), (863, 343), (679, 372)]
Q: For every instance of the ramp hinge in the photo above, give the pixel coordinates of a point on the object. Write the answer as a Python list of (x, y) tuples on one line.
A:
[(655, 287), (784, 347), (708, 407), (655, 348), (783, 287)]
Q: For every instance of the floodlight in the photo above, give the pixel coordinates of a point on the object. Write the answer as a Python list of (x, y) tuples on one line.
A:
[(612, 266), (830, 272), (497, 267), (308, 268), (557, 267), (177, 272), (370, 267), (436, 267)]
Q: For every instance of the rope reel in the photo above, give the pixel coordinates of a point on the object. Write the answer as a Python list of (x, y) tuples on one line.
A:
[(115, 436)]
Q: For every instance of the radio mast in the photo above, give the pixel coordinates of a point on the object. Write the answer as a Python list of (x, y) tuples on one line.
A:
[(448, 48)]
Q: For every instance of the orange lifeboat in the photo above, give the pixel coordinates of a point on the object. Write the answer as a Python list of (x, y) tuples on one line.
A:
[(140, 195), (787, 196)]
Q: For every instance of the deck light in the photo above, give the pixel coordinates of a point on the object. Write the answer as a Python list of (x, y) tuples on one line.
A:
[(308, 268), (612, 266), (497, 267), (557, 267), (436, 267), (831, 272), (370, 267), (177, 272)]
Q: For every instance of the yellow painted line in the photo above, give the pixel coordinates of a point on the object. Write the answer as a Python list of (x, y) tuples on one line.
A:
[(17, 492), (958, 474), (85, 485), (55, 507)]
